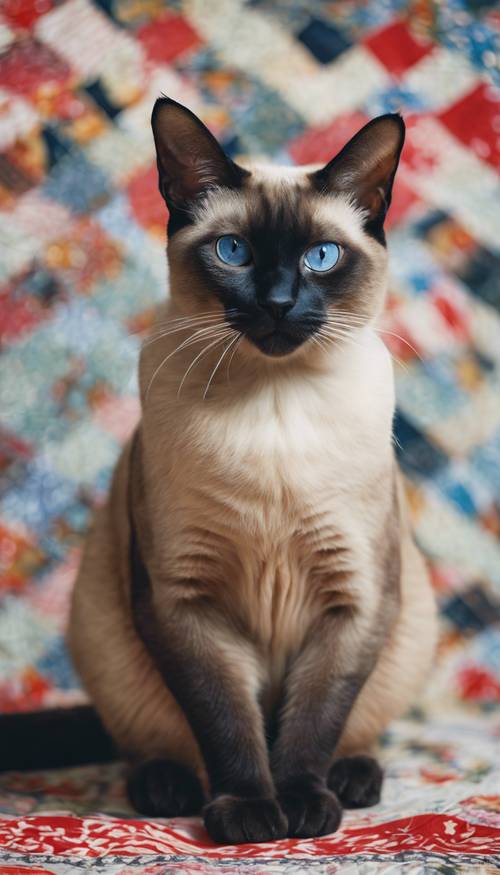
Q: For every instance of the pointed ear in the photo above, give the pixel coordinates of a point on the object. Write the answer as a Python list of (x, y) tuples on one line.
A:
[(190, 160), (366, 167)]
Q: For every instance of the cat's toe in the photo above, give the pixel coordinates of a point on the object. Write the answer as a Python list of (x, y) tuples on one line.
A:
[(311, 811), (161, 788), (357, 781), (231, 820)]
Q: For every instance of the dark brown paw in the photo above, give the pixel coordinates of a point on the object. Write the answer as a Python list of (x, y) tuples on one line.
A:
[(357, 781), (231, 820), (161, 788), (311, 811)]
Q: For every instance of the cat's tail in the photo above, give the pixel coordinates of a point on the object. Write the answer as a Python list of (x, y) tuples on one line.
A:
[(53, 738)]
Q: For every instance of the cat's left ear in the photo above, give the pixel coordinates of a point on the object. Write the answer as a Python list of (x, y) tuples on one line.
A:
[(365, 168), (190, 160)]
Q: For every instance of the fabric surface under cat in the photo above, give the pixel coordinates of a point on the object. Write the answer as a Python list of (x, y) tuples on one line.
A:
[(251, 609)]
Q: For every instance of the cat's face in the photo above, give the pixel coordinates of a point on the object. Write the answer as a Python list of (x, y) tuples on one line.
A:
[(290, 254)]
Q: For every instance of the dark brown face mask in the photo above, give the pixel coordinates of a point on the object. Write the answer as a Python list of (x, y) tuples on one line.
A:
[(276, 276)]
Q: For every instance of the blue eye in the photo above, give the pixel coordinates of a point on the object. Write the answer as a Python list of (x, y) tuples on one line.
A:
[(233, 250), (322, 257)]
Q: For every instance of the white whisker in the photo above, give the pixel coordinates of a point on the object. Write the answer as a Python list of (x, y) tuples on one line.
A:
[(358, 321), (402, 339), (188, 321), (346, 323), (342, 329), (342, 336), (354, 316), (316, 340), (197, 358), (397, 442), (181, 328), (207, 313), (212, 375), (189, 341), (231, 357)]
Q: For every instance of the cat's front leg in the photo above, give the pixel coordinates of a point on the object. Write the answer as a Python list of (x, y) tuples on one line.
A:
[(214, 676), (321, 688)]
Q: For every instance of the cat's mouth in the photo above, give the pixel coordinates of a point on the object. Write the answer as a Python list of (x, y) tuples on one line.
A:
[(275, 337), (277, 342), (283, 339)]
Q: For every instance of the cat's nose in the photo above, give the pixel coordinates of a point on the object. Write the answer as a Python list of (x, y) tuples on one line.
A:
[(278, 303)]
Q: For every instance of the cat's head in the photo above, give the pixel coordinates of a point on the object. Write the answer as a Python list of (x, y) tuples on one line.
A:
[(290, 254)]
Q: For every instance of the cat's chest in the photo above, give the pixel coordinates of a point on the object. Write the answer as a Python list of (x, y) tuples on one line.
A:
[(267, 491), (283, 587), (251, 484), (288, 444)]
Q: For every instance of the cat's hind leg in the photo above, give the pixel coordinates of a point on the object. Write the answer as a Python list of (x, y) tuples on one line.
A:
[(163, 788), (356, 781)]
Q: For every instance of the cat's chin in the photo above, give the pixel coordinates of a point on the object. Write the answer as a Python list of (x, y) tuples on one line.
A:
[(277, 344)]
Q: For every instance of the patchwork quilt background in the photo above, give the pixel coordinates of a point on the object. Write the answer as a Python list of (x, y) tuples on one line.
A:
[(82, 238)]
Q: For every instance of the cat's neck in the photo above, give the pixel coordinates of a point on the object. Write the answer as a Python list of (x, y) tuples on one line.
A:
[(179, 371)]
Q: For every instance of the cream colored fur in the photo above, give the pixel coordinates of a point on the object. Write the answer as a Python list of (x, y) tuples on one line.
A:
[(269, 491)]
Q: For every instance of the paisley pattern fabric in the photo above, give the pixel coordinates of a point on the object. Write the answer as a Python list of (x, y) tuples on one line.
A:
[(440, 813), (82, 267)]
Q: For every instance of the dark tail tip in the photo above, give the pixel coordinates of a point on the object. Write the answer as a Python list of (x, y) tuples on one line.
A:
[(53, 739)]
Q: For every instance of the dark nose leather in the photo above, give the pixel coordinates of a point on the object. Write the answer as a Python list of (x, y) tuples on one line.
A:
[(278, 303)]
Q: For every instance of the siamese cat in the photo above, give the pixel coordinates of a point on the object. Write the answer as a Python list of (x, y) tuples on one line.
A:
[(251, 610)]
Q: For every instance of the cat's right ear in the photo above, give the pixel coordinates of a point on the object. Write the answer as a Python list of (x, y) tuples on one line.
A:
[(365, 169), (190, 160)]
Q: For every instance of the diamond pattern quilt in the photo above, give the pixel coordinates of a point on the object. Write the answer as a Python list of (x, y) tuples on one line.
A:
[(82, 267)]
